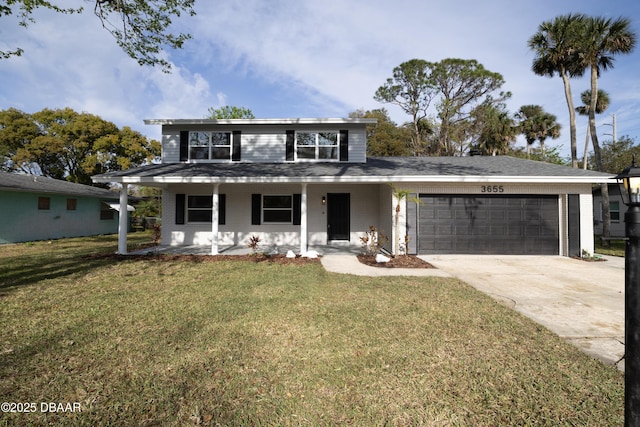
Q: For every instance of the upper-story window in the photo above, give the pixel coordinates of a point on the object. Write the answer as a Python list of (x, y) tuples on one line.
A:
[(317, 145), (209, 145)]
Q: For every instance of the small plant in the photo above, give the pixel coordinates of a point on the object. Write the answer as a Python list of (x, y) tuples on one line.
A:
[(254, 243), (373, 240), (156, 234)]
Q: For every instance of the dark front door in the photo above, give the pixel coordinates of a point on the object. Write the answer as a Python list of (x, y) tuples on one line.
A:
[(338, 216)]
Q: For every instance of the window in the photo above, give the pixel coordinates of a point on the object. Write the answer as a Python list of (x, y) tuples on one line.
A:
[(106, 212), (199, 208), (44, 203), (614, 210), (317, 145), (71, 204), (209, 145), (277, 209)]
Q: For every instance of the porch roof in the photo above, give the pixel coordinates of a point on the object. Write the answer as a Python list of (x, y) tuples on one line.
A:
[(375, 170)]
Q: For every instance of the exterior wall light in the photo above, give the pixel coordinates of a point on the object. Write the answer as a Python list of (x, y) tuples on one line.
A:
[(629, 180), (324, 200)]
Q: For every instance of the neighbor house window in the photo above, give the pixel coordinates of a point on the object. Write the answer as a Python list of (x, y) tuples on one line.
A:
[(105, 211), (210, 145), (317, 145), (277, 209), (614, 210), (44, 203), (71, 204)]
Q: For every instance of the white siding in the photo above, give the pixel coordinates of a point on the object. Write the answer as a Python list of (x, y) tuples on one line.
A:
[(266, 147), (238, 228), (170, 146), (263, 144)]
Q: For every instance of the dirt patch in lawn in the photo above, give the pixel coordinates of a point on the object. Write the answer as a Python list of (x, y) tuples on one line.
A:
[(276, 259), (404, 261)]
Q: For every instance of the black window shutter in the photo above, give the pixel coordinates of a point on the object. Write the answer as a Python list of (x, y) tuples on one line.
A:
[(222, 209), (236, 146), (344, 145), (184, 145), (256, 209), (180, 198), (297, 209), (290, 145)]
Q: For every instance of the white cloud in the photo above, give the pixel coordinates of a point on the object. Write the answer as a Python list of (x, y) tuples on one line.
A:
[(295, 58)]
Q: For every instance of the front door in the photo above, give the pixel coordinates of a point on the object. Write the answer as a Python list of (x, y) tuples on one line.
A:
[(338, 216)]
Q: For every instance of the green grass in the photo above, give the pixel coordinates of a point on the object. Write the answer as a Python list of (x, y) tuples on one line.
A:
[(616, 247), (152, 342)]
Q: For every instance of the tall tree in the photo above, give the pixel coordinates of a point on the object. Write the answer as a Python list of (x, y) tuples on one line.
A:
[(617, 155), (495, 129), (556, 52), (602, 104), (73, 146), (384, 138), (230, 112), (461, 85), (140, 27), (16, 129), (601, 39), (537, 125), (412, 89)]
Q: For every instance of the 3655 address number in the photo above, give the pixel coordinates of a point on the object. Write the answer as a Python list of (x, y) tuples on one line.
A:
[(492, 188)]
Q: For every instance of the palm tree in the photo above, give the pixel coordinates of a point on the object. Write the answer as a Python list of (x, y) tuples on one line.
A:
[(601, 40), (555, 48), (602, 104), (399, 195), (536, 124)]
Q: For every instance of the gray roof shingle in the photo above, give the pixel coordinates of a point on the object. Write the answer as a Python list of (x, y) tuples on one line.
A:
[(382, 168), (40, 184)]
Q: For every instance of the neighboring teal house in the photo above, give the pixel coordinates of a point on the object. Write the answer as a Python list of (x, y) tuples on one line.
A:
[(38, 208)]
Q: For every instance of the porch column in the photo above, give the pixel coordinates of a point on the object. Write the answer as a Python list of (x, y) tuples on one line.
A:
[(303, 219), (123, 222), (214, 220)]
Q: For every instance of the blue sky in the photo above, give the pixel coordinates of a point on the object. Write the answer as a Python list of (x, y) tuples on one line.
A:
[(300, 58)]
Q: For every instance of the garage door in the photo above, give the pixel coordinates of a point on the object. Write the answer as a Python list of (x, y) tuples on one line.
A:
[(459, 224)]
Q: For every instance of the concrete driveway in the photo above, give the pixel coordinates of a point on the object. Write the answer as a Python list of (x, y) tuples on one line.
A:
[(582, 302)]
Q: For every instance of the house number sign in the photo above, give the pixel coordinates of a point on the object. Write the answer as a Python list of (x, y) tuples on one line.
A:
[(492, 188)]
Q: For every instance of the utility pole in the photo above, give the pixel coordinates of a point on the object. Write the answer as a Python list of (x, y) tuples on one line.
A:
[(614, 130)]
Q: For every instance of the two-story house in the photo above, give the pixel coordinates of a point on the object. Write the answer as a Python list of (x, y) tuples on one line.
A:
[(308, 183)]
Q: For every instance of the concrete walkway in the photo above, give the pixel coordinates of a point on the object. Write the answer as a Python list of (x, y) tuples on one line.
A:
[(582, 302)]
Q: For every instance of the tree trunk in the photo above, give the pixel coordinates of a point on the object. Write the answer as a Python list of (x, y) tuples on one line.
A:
[(586, 148), (396, 240), (606, 212), (572, 119)]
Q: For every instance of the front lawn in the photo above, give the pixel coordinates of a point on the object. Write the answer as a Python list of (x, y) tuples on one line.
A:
[(153, 342)]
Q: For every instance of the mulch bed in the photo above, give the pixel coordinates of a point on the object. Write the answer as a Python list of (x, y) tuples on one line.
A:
[(404, 261)]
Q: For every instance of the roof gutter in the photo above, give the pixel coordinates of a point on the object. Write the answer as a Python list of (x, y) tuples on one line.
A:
[(352, 179)]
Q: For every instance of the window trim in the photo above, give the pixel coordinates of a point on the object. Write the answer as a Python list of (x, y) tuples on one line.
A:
[(317, 146), (289, 209), (617, 211), (221, 209), (210, 146), (72, 204)]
